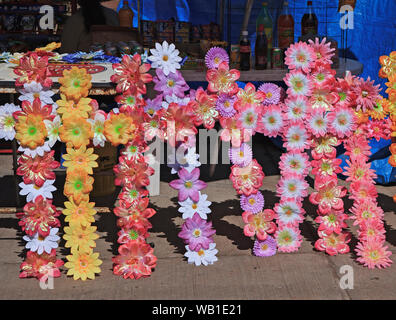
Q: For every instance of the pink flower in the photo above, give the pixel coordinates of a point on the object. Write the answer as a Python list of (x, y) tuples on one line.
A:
[(328, 195), (361, 190), (173, 83), (322, 50), (259, 224), (317, 122), (373, 254), (294, 162), (322, 96), (247, 180), (288, 238), (300, 56), (197, 233), (326, 167), (378, 129), (296, 138), (296, 107), (359, 170), (357, 147), (248, 117), (188, 185), (292, 186), (324, 147), (366, 94), (223, 79), (332, 222), (299, 84), (333, 243), (372, 229), (272, 121), (322, 73), (205, 109), (232, 133), (342, 122), (366, 209), (249, 97)]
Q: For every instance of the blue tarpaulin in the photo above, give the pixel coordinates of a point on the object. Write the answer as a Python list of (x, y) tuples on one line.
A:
[(373, 35)]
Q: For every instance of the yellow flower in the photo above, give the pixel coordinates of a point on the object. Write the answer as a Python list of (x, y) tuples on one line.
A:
[(78, 183), (79, 214), (75, 132), (30, 131), (81, 238), (380, 109), (119, 129), (83, 265), (75, 83), (69, 108), (50, 47), (80, 158)]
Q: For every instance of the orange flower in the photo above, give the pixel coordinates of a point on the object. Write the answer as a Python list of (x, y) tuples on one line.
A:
[(75, 132), (81, 214), (388, 65), (119, 129), (78, 183), (69, 108), (80, 158), (361, 117), (75, 83), (30, 131)]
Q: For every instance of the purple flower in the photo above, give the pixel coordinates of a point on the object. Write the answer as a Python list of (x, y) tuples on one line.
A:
[(272, 93), (225, 105), (253, 203), (241, 156), (188, 184), (265, 248), (173, 83), (215, 56), (197, 233), (153, 105)]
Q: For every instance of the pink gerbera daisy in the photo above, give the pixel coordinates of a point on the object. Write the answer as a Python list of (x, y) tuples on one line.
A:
[(373, 254), (378, 129), (322, 73), (357, 147), (296, 138), (342, 122), (366, 94), (248, 117), (299, 84), (361, 190), (317, 123), (292, 186), (333, 243), (359, 170), (300, 56), (322, 50), (372, 229), (294, 162), (366, 209), (272, 121), (296, 107), (288, 238)]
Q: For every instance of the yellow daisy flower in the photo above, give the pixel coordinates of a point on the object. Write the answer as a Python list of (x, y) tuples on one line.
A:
[(81, 238), (75, 83), (69, 108), (79, 214), (30, 131), (83, 265), (75, 132), (80, 158)]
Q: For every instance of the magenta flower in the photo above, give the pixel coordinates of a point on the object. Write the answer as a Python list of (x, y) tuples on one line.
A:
[(173, 83), (225, 105), (253, 203), (188, 184), (265, 248), (197, 233), (153, 105), (215, 56)]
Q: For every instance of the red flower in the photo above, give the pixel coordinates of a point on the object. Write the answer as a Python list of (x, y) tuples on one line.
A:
[(247, 180), (205, 109), (33, 68), (37, 170), (39, 216), (132, 171), (333, 243), (41, 266)]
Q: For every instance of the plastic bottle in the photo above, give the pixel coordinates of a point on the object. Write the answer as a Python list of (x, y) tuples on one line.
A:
[(264, 19), (244, 52), (125, 15), (261, 49), (285, 27), (309, 21)]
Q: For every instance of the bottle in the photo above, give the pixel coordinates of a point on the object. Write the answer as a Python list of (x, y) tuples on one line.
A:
[(285, 27), (125, 15), (264, 19), (261, 49), (309, 21), (244, 52)]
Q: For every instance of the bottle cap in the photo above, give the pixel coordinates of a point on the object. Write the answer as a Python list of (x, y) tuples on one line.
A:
[(245, 33), (310, 3)]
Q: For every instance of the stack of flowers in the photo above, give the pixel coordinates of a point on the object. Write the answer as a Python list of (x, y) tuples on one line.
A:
[(181, 114), (125, 126), (388, 71), (30, 125), (75, 108)]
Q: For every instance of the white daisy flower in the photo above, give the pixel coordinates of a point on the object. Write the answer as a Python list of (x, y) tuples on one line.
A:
[(292, 187), (271, 121), (53, 130), (342, 122), (165, 57), (289, 213), (7, 121), (249, 118), (299, 84), (317, 123), (39, 244), (38, 151), (35, 90), (294, 163), (204, 257), (98, 129), (296, 138), (191, 159), (173, 98), (189, 207), (32, 191)]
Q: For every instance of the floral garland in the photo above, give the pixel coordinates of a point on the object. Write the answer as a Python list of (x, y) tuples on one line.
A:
[(31, 126), (125, 126), (75, 109), (181, 114), (388, 71)]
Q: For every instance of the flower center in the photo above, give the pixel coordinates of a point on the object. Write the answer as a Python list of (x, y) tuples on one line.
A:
[(292, 187), (201, 252), (133, 234), (364, 93), (264, 247), (194, 206), (171, 83), (188, 184), (252, 201), (76, 132), (197, 233), (32, 131), (269, 95), (78, 185), (271, 120), (165, 58), (301, 57), (217, 60)]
